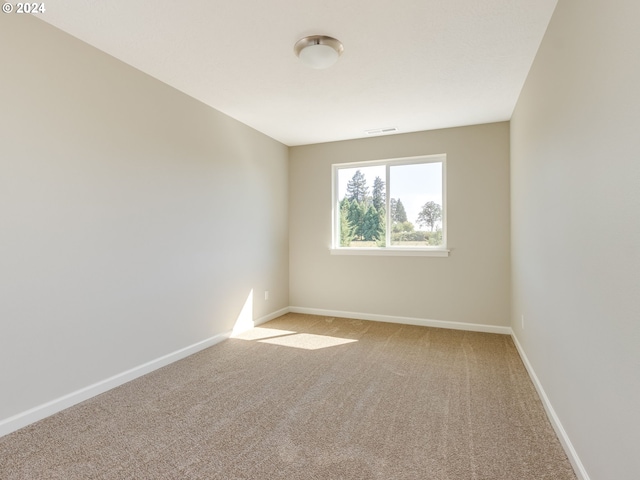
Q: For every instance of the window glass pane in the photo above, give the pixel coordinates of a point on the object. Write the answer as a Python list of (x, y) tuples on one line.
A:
[(361, 204), (396, 203), (416, 204)]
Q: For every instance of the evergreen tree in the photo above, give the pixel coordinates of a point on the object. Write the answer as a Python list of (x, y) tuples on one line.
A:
[(357, 189), (355, 217), (398, 213), (372, 227), (378, 195), (346, 229)]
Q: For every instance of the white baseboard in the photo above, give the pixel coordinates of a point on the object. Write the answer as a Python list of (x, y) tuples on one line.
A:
[(578, 467), (32, 415), (472, 327)]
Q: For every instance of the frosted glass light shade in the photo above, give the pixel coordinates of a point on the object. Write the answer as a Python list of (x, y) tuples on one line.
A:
[(318, 56), (318, 51)]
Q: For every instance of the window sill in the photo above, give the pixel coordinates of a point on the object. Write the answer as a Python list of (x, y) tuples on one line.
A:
[(390, 251)]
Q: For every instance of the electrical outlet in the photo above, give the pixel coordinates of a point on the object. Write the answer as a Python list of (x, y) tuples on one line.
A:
[(523, 321), (266, 295)]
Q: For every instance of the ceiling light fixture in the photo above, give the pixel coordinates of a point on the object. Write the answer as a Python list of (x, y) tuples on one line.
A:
[(318, 51)]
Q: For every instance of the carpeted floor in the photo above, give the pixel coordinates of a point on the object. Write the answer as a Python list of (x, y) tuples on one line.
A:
[(308, 397)]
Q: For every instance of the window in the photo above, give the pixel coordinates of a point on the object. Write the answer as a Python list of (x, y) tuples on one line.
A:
[(392, 207)]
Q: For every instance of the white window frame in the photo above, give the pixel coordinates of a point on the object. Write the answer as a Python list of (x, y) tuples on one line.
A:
[(432, 251)]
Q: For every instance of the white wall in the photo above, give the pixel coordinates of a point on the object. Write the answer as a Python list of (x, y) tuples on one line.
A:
[(134, 220), (575, 147), (471, 285)]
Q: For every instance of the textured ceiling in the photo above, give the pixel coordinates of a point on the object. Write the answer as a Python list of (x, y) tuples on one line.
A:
[(411, 64)]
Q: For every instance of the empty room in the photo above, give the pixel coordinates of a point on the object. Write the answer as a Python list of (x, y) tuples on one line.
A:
[(335, 240)]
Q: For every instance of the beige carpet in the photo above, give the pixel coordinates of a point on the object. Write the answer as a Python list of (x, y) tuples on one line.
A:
[(308, 397)]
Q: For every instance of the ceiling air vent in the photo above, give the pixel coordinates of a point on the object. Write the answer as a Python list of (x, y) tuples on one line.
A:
[(381, 131)]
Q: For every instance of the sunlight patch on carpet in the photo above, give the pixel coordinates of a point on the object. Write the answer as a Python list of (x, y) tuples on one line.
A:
[(259, 333), (308, 341)]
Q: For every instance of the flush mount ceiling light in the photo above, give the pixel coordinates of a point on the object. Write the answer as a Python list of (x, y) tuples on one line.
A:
[(318, 51)]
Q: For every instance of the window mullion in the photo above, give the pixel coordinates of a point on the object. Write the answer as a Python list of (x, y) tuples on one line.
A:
[(387, 232)]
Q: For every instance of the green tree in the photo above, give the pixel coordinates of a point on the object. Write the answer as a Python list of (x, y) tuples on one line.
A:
[(372, 227), (430, 214), (435, 238), (355, 216), (346, 229), (402, 227), (401, 231), (357, 189), (398, 213), (378, 195)]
